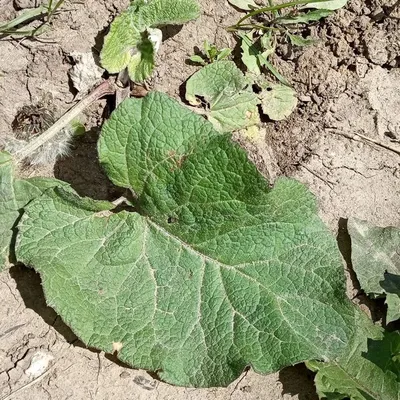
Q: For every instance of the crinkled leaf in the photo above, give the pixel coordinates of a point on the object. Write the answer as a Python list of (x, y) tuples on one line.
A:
[(214, 272), (232, 103), (376, 261), (85, 74), (305, 18), (131, 43), (369, 369), (244, 4), (14, 195), (141, 64), (278, 101), (328, 5)]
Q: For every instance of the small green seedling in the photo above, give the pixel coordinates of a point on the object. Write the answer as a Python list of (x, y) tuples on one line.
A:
[(232, 104), (135, 37), (259, 33), (263, 28), (210, 54)]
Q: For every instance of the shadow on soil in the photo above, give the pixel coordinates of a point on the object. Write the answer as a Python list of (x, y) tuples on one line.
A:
[(298, 381), (375, 306), (30, 287), (82, 170)]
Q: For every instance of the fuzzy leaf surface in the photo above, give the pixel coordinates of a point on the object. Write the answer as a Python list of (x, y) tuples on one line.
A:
[(214, 272), (278, 101), (14, 195), (376, 261), (369, 369), (232, 103), (130, 43)]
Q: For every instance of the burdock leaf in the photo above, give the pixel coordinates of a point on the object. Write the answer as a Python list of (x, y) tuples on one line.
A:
[(213, 271)]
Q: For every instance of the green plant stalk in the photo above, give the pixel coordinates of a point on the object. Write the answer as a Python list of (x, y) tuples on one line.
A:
[(251, 26), (276, 8), (274, 71), (104, 89), (52, 10), (24, 18), (17, 32), (271, 4), (10, 28)]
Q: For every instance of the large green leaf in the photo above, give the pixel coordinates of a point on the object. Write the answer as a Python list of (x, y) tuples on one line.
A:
[(14, 195), (131, 42), (369, 370), (376, 261), (278, 101), (214, 271), (232, 103)]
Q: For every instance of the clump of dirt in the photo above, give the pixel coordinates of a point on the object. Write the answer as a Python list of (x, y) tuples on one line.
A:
[(350, 43)]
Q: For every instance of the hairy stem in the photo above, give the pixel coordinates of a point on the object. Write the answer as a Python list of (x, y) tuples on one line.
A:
[(104, 89)]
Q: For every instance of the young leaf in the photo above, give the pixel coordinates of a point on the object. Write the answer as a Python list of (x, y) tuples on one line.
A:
[(223, 54), (142, 62), (197, 59), (269, 49), (132, 43), (368, 370), (212, 53), (376, 261), (278, 101), (14, 195), (328, 5), (214, 272), (207, 48), (232, 103)]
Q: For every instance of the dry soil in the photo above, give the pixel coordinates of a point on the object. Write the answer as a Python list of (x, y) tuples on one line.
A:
[(348, 85)]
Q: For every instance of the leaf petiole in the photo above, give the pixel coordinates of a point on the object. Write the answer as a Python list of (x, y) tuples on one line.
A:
[(253, 26), (104, 89)]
